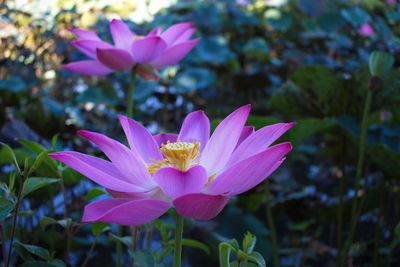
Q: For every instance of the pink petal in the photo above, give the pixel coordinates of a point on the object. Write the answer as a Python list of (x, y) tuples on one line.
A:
[(140, 140), (154, 193), (223, 141), (195, 128), (259, 141), (185, 36), (174, 54), (85, 34), (99, 171), (145, 49), (175, 31), (121, 34), (163, 138), (175, 183), (155, 32), (246, 132), (116, 59), (249, 172), (124, 211), (200, 206), (87, 67), (126, 160), (88, 47)]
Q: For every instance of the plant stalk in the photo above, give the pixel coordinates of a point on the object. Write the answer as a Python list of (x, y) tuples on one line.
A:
[(131, 90), (271, 226), (14, 221), (355, 210), (178, 240), (90, 252), (339, 230), (134, 233), (119, 247), (3, 242)]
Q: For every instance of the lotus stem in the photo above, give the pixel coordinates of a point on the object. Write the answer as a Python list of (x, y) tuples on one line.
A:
[(178, 240), (339, 230), (272, 229), (131, 89), (134, 233), (355, 210), (119, 247)]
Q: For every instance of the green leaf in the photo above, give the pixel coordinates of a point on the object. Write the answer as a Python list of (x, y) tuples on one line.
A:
[(99, 227), (234, 244), (254, 256), (37, 264), (35, 250), (6, 206), (380, 63), (306, 128), (12, 181), (194, 244), (258, 258), (95, 192), (39, 159), (249, 241), (33, 146), (65, 222), (45, 221), (8, 155), (34, 183), (23, 253), (54, 141), (224, 254), (57, 262), (397, 230), (126, 240), (144, 258)]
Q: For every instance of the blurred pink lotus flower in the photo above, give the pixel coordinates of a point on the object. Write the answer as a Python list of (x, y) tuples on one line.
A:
[(366, 30), (192, 171), (151, 52), (391, 2)]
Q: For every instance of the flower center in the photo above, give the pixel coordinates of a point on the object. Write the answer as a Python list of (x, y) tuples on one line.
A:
[(138, 37), (179, 155)]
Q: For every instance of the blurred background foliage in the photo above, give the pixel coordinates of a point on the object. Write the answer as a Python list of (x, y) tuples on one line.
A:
[(293, 60)]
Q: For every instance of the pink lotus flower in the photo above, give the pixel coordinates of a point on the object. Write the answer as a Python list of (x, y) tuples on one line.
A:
[(195, 173), (391, 2), (366, 30), (151, 52)]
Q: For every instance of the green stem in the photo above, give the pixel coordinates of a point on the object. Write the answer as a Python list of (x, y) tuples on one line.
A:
[(339, 231), (272, 229), (355, 211), (119, 247), (178, 240), (3, 242), (134, 233), (129, 109), (14, 221), (90, 252)]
